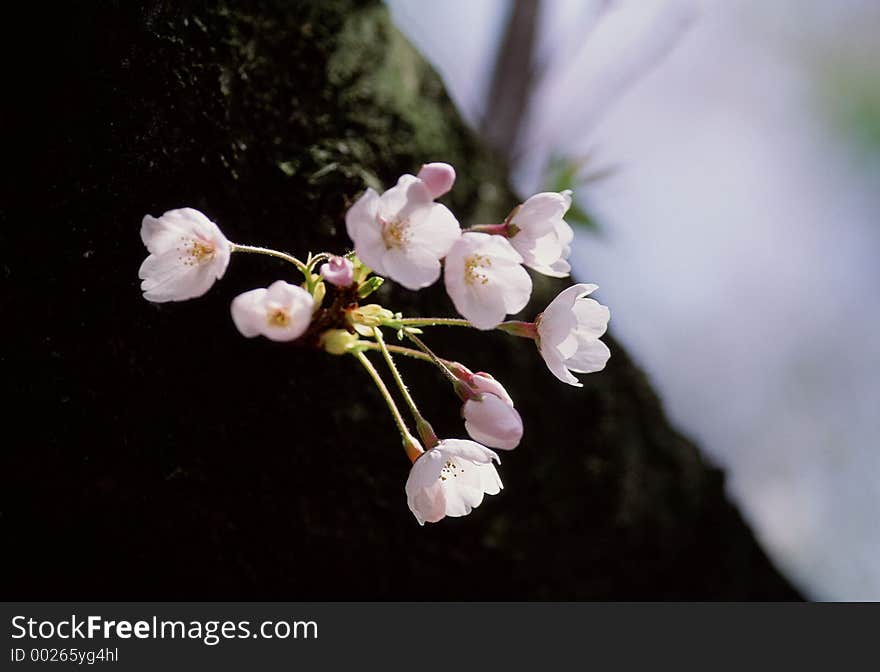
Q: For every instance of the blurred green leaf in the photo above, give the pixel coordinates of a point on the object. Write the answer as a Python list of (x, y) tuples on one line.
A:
[(565, 173), (576, 215)]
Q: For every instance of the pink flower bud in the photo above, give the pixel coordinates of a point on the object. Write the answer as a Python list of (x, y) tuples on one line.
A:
[(338, 271), (489, 415), (438, 178), (484, 383)]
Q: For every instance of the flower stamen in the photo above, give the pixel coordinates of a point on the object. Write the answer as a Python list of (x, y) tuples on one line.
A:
[(450, 468), (395, 233), (278, 317), (197, 251), (473, 269)]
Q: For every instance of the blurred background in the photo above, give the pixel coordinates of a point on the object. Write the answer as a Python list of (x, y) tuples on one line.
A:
[(725, 157)]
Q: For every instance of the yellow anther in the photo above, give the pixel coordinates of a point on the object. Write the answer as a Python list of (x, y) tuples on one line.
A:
[(473, 269), (278, 318), (395, 233)]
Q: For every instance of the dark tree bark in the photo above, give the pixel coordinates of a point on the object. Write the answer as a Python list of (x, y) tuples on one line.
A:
[(173, 459), (512, 80)]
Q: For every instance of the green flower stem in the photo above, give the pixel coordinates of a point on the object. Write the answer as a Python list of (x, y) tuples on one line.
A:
[(273, 253), (424, 427), (383, 390), (314, 261), (441, 364), (396, 349), (434, 322)]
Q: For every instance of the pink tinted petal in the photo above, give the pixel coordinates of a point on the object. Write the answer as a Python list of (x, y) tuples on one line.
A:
[(483, 382), (338, 271), (493, 422), (438, 178)]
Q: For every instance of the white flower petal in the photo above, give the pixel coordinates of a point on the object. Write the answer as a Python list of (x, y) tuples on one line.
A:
[(497, 247), (569, 331), (282, 312), (402, 233), (565, 234), (484, 279), (544, 250), (413, 267), (559, 269), (409, 193), (469, 450), (490, 481), (562, 304), (450, 480), (592, 317), (159, 236), (188, 253), (435, 229), (557, 367), (247, 312), (592, 355), (365, 230), (554, 329), (541, 210), (540, 234), (425, 470), (481, 305), (424, 493), (569, 345), (516, 284), (460, 501), (466, 484)]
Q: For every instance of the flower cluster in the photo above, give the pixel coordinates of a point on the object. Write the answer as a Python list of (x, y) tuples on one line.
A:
[(405, 235)]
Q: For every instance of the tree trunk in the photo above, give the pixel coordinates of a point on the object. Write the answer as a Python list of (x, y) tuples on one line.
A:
[(178, 460)]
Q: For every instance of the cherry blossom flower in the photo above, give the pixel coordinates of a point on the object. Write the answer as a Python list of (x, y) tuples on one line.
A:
[(188, 253), (537, 230), (489, 415), (438, 178), (568, 334), (402, 234), (451, 480), (338, 271), (484, 279), (281, 312)]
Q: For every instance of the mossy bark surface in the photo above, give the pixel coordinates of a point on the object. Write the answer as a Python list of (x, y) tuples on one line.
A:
[(178, 460)]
